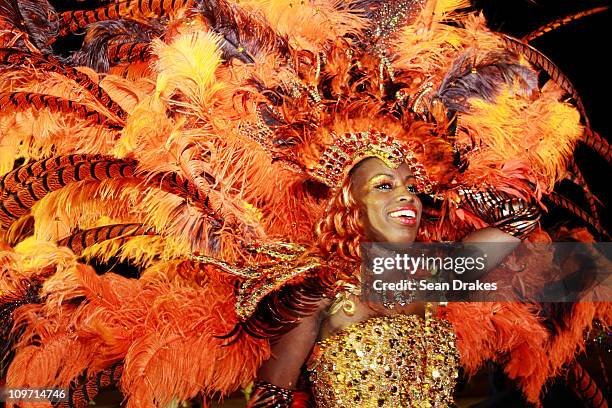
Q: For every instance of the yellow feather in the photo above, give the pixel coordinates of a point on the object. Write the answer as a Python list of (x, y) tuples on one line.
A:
[(146, 132), (19, 230), (435, 12), (448, 6), (81, 205), (142, 251), (540, 134), (308, 23), (35, 254), (188, 65), (126, 93)]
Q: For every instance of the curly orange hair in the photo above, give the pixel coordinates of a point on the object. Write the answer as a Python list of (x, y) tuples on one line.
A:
[(340, 232)]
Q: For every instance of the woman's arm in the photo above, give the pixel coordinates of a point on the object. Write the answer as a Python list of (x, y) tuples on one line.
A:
[(491, 234), (495, 243), (510, 219), (277, 378), (290, 353)]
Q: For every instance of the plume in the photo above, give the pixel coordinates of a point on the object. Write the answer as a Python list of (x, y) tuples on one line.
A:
[(110, 42), (484, 76), (38, 19)]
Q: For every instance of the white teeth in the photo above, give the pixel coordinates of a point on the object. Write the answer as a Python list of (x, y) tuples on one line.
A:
[(403, 213)]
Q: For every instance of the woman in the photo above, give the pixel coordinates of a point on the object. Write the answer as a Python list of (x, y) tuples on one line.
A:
[(379, 194), (205, 148)]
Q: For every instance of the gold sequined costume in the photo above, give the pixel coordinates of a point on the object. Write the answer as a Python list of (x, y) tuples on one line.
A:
[(389, 361)]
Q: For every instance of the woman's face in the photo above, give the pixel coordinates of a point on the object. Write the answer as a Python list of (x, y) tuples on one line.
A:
[(391, 209)]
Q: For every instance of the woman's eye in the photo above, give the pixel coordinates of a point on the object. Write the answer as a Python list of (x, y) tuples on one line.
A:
[(384, 186), (412, 189)]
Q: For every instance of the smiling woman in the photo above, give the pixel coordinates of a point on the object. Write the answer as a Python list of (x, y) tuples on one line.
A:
[(380, 192), (388, 199)]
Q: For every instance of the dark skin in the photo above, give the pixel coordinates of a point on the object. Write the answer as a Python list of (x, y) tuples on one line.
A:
[(381, 191)]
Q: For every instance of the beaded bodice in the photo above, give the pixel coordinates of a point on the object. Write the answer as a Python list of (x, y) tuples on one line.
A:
[(387, 361)]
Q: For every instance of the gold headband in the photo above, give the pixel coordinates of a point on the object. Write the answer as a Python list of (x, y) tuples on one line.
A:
[(350, 148)]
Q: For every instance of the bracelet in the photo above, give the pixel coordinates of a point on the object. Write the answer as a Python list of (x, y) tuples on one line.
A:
[(511, 215), (266, 395), (522, 222)]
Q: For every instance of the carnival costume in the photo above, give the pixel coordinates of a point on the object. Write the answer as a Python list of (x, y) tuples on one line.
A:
[(202, 141)]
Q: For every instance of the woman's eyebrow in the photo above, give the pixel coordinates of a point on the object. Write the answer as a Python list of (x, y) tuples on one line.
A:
[(379, 176)]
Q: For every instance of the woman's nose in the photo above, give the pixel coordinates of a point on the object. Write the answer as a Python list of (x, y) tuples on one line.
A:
[(405, 196)]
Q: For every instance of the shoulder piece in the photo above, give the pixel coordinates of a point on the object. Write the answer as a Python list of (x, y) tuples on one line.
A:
[(288, 265)]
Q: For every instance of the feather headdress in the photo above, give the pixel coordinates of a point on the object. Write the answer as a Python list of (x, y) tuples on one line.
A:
[(209, 130)]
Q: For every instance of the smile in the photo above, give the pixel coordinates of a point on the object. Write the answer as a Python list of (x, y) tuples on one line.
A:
[(404, 215)]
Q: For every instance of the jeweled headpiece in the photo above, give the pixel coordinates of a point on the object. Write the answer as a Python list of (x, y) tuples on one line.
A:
[(349, 149)]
